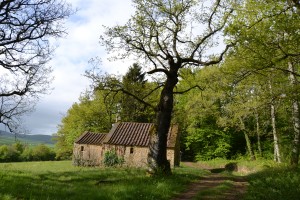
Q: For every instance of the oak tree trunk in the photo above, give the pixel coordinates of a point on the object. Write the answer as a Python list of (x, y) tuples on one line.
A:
[(157, 157)]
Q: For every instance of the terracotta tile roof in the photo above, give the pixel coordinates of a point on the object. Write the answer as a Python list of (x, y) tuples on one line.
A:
[(136, 134), (91, 138)]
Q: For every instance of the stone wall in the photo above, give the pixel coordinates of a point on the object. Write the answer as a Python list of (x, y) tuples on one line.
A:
[(93, 155), (87, 155), (170, 156), (136, 156)]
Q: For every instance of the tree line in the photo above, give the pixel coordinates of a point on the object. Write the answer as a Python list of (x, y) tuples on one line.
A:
[(19, 152)]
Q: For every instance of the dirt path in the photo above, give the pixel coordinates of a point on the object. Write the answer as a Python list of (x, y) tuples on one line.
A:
[(238, 186)]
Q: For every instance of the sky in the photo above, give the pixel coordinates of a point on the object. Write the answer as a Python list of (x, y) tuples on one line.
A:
[(71, 59)]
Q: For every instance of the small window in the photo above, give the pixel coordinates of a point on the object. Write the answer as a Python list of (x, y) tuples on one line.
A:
[(131, 150), (82, 148)]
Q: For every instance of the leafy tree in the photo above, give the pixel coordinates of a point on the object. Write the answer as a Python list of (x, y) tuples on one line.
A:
[(43, 153), (92, 113), (27, 154), (11, 153), (25, 29), (269, 35), (164, 34), (131, 109)]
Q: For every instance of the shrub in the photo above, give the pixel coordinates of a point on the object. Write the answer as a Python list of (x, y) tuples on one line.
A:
[(27, 154), (9, 154), (43, 153), (111, 159), (3, 153), (18, 152)]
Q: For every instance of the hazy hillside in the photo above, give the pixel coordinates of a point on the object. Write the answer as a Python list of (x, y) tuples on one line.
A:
[(32, 140)]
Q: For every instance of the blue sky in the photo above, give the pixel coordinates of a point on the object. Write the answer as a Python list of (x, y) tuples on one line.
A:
[(71, 60)]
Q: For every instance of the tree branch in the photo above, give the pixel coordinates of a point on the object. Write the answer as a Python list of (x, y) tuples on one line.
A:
[(185, 91)]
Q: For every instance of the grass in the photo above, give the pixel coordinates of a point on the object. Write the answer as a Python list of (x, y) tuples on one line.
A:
[(267, 180), (274, 183), (60, 180)]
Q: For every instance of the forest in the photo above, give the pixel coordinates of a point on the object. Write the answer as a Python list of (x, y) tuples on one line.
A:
[(239, 102)]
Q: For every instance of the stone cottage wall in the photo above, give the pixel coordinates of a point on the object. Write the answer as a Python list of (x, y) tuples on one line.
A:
[(87, 155), (170, 157), (93, 155), (136, 156)]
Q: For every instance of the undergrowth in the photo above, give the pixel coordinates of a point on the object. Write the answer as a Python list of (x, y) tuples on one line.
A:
[(274, 184)]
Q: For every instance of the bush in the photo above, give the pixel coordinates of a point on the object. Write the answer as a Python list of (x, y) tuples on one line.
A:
[(18, 152), (43, 153), (63, 155), (111, 159), (11, 153), (27, 154)]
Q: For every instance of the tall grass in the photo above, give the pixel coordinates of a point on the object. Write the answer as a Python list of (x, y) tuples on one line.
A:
[(281, 183), (60, 180)]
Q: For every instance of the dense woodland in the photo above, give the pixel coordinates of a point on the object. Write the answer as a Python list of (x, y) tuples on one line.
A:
[(246, 105)]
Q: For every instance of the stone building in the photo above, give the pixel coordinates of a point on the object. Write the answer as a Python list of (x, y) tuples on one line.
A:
[(88, 149), (130, 140)]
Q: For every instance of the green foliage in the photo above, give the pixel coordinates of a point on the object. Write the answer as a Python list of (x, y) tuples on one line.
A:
[(90, 114), (111, 159), (134, 83), (11, 153), (60, 180), (20, 152), (27, 154), (208, 143), (42, 153)]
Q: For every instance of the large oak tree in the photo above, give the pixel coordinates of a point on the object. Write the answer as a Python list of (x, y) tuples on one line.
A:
[(168, 35)]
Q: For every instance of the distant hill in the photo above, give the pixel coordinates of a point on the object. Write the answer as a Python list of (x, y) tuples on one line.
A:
[(32, 140)]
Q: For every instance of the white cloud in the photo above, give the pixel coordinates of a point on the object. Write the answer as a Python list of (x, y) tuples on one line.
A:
[(72, 56)]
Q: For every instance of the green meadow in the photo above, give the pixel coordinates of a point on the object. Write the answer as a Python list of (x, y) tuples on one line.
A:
[(60, 180)]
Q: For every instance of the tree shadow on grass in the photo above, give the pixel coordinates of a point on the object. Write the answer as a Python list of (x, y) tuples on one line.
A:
[(229, 167), (91, 184)]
